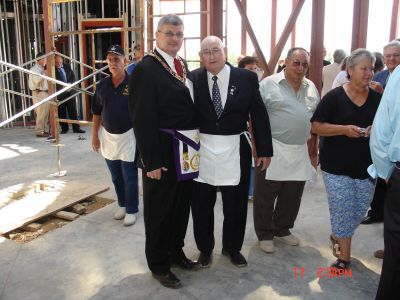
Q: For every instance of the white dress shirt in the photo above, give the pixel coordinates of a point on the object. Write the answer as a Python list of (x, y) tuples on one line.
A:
[(168, 58), (222, 81)]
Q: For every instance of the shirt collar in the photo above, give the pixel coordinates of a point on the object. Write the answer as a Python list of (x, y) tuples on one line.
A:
[(168, 58), (282, 78), (222, 75), (124, 82)]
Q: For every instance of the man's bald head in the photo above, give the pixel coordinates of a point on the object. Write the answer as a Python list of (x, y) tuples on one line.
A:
[(213, 54)]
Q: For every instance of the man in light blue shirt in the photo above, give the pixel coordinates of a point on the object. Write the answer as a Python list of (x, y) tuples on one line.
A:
[(385, 152)]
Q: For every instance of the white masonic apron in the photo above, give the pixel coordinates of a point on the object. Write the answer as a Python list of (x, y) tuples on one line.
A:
[(290, 162), (117, 146), (219, 159)]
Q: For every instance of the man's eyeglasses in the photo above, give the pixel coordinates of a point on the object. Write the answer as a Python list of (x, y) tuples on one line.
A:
[(170, 34), (208, 53), (297, 63), (392, 56)]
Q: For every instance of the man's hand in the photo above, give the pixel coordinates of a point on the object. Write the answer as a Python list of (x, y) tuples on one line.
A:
[(376, 86), (95, 143), (314, 160), (368, 131), (263, 162), (156, 174)]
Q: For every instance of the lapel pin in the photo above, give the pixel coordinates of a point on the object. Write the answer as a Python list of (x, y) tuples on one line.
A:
[(232, 90)]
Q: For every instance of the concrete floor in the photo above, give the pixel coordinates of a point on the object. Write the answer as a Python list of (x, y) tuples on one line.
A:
[(95, 257)]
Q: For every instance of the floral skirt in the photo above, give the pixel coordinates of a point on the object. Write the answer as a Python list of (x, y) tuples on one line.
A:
[(349, 200)]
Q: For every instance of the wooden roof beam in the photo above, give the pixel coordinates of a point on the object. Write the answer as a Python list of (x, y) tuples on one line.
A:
[(285, 35), (260, 55)]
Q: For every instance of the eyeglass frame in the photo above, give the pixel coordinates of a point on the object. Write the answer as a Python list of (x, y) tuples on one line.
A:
[(170, 34), (296, 63), (210, 52), (389, 56)]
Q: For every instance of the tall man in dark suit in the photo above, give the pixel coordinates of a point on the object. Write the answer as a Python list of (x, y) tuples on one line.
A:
[(225, 97), (64, 73), (160, 103), (391, 56)]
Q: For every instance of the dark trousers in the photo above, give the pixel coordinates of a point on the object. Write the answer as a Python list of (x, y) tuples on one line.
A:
[(166, 215), (124, 176), (389, 284), (275, 218), (234, 200), (377, 204), (70, 108)]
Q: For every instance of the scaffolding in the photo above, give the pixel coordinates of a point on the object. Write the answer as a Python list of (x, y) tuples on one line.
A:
[(70, 28), (75, 29)]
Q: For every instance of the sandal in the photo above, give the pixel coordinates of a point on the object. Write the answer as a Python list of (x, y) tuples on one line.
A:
[(335, 246), (341, 264)]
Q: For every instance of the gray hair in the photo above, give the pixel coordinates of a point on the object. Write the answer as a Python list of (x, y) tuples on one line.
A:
[(290, 52), (170, 19), (338, 56), (394, 43), (358, 55)]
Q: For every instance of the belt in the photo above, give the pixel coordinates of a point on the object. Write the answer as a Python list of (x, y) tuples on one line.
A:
[(38, 91)]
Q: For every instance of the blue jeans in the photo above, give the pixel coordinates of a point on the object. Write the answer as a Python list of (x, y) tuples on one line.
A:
[(124, 175)]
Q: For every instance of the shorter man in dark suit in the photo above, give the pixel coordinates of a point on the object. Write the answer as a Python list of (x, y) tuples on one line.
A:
[(65, 73), (225, 97)]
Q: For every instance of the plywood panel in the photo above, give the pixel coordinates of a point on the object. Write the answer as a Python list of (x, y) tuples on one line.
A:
[(53, 195)]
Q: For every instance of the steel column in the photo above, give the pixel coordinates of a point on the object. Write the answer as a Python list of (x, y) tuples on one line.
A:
[(317, 42), (204, 19), (216, 18), (243, 39), (360, 24), (394, 20), (293, 34), (273, 25)]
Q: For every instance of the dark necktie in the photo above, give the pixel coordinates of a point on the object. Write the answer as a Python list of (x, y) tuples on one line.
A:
[(216, 97), (178, 67), (63, 76)]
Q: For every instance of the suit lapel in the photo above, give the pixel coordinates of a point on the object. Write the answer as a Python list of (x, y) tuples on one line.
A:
[(173, 79), (232, 88), (203, 86)]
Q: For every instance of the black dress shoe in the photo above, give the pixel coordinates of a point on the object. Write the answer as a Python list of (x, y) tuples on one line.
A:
[(236, 258), (370, 220), (168, 280), (204, 260), (79, 131), (185, 263), (64, 131)]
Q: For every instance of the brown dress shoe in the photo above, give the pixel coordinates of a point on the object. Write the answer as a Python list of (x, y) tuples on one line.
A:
[(44, 134), (379, 254)]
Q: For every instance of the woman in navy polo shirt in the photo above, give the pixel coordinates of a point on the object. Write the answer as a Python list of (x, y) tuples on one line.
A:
[(113, 134)]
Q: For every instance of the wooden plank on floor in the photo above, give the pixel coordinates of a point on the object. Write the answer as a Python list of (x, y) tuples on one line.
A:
[(66, 215), (57, 195)]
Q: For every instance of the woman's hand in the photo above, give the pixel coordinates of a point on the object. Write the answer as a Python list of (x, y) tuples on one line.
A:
[(353, 131)]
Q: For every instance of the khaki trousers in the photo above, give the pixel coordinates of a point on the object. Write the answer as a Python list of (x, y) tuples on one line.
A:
[(42, 112)]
